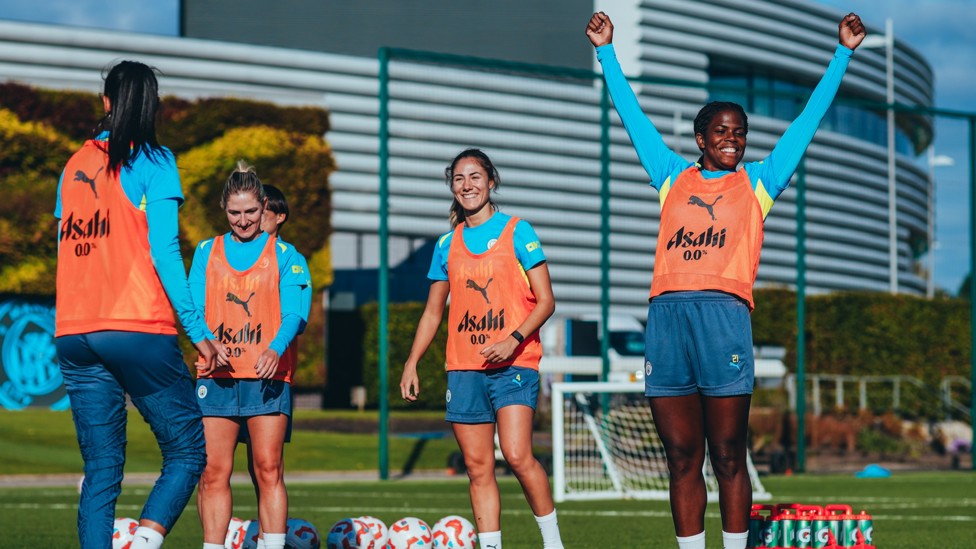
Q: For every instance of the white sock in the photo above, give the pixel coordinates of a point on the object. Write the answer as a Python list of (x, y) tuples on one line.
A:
[(490, 540), (261, 543), (692, 542), (210, 546), (274, 541), (735, 541), (146, 538), (549, 527)]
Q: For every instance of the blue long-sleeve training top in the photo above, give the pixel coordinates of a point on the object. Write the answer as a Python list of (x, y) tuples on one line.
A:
[(769, 177)]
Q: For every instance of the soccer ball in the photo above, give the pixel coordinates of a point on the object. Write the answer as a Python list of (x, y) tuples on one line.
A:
[(301, 534), (237, 533), (372, 534), (123, 531), (454, 532), (232, 527), (343, 535), (249, 534), (409, 533)]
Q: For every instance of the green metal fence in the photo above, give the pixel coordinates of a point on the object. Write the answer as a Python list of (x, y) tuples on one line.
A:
[(389, 58)]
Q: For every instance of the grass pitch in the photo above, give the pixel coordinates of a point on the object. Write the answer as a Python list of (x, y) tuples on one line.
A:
[(910, 510)]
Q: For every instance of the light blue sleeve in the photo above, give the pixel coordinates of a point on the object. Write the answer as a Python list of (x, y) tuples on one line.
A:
[(57, 203), (306, 291), (776, 169), (164, 247), (198, 276), (658, 160), (293, 280), (528, 249), (438, 260), (152, 178)]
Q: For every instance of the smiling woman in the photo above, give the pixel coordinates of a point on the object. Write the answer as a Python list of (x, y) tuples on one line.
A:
[(491, 265), (249, 285), (698, 344)]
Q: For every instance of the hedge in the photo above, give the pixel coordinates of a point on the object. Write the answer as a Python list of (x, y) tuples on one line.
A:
[(40, 129), (854, 333)]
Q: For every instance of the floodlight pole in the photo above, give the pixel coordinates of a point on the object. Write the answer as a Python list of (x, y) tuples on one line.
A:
[(888, 43), (892, 192)]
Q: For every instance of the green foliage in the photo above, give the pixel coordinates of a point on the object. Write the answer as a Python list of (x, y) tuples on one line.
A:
[(285, 144), (862, 333), (186, 124), (402, 325), (31, 162), (297, 164), (74, 114), (875, 441)]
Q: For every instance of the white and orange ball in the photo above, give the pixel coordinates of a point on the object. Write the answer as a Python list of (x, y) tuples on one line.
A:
[(123, 531), (454, 532), (371, 532), (409, 533)]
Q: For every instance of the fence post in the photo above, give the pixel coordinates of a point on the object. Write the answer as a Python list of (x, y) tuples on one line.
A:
[(896, 394), (605, 232), (801, 311), (384, 267), (972, 281)]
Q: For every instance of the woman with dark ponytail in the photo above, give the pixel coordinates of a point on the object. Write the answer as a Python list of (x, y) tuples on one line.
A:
[(492, 267), (698, 345), (120, 275)]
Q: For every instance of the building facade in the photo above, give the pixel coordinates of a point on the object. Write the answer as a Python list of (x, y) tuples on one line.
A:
[(543, 131)]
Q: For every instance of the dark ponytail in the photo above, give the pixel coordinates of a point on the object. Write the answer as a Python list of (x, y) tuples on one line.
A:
[(133, 93)]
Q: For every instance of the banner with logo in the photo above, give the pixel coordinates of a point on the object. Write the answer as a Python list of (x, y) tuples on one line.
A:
[(29, 373)]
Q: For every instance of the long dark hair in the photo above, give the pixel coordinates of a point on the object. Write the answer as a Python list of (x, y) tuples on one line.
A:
[(708, 112), (457, 212), (133, 92)]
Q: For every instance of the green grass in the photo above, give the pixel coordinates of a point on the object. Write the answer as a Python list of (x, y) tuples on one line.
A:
[(43, 442), (916, 510), (911, 510)]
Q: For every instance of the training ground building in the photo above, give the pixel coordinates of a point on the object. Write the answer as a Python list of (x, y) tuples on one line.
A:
[(543, 131)]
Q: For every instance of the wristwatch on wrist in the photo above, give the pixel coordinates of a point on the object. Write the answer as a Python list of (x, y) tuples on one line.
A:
[(518, 337)]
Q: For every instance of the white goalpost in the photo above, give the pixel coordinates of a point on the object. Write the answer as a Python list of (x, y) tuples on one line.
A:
[(605, 446)]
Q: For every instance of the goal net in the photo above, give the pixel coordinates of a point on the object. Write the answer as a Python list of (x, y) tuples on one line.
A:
[(605, 445)]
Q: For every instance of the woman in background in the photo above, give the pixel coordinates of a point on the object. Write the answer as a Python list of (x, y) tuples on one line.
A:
[(493, 268), (250, 287)]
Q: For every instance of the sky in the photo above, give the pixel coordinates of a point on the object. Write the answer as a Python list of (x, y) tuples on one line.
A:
[(941, 30)]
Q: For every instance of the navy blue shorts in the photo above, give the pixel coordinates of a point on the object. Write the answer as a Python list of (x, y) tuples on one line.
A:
[(242, 398), (475, 396), (244, 436), (698, 342)]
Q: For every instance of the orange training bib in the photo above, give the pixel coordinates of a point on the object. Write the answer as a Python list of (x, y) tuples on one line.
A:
[(490, 298), (243, 311), (710, 236), (106, 279)]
